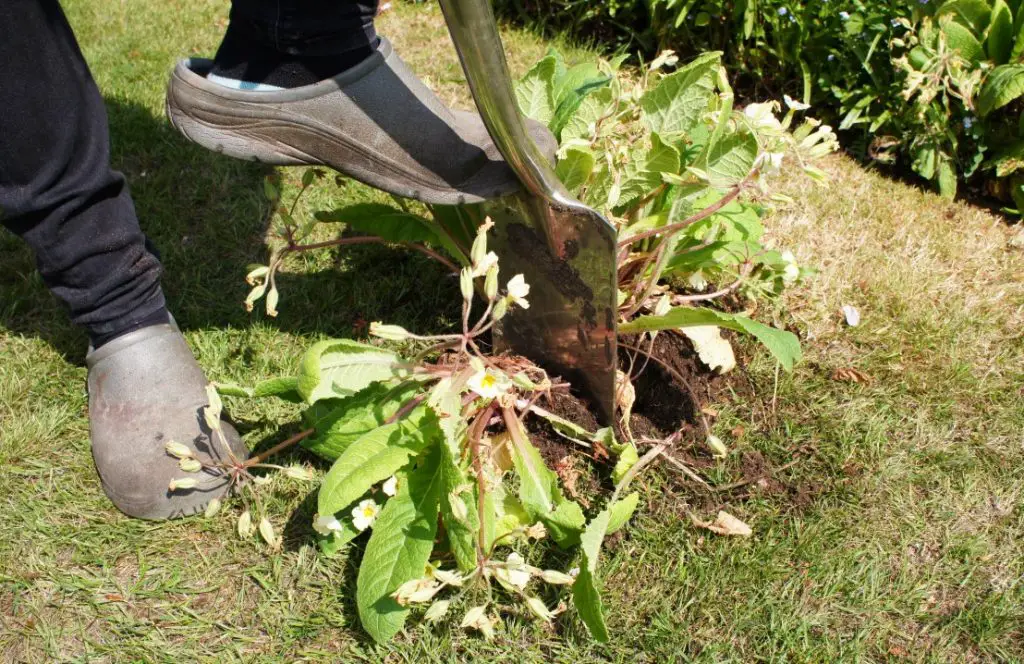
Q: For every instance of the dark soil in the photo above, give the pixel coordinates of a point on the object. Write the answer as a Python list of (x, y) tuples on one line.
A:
[(667, 402)]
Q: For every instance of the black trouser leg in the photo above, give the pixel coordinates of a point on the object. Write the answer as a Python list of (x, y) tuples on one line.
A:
[(57, 190), (307, 27)]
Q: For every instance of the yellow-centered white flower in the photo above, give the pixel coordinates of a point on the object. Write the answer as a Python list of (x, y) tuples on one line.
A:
[(489, 383), (518, 289), (364, 514), (325, 524)]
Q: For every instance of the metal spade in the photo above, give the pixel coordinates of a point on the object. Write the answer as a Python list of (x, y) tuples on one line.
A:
[(565, 249)]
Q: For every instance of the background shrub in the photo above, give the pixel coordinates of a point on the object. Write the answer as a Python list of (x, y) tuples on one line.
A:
[(926, 86)]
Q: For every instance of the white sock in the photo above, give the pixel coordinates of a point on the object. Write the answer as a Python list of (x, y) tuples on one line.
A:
[(235, 84)]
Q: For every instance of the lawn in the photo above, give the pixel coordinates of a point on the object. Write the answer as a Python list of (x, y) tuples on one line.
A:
[(895, 532)]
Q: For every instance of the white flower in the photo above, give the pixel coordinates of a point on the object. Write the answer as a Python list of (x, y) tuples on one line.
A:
[(416, 591), (792, 271), (697, 281), (489, 260), (762, 116), (770, 163), (326, 524), (518, 289), (489, 383), (794, 104), (364, 514), (514, 572), (390, 487)]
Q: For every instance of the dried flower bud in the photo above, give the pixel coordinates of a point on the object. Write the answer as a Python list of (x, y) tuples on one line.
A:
[(180, 483), (389, 332), (557, 578)]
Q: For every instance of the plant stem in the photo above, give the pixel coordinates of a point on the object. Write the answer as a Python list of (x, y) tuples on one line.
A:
[(703, 214), (260, 458), (370, 239)]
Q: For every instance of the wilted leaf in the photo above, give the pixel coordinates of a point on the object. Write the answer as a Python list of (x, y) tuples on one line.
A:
[(724, 524), (711, 347)]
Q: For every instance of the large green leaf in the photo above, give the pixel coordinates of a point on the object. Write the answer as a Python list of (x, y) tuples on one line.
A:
[(340, 368), (972, 14), (731, 159), (1009, 160), (643, 172), (461, 532), (534, 92), (571, 88), (565, 523), (1004, 84), (962, 40), (376, 456), (538, 484), (341, 422), (399, 548), (1000, 33), (575, 169), (594, 107), (384, 221), (678, 101), (585, 592), (621, 511), (782, 344)]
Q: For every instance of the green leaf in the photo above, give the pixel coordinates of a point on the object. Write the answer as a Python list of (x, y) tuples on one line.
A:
[(947, 179), (286, 388), (575, 169), (570, 89), (782, 344), (565, 523), (1010, 160), (461, 533), (622, 511), (971, 14), (628, 458), (963, 41), (1000, 33), (399, 548), (643, 172), (595, 106), (731, 159), (341, 422), (341, 367), (678, 101), (383, 221), (1004, 84), (538, 484), (376, 456), (333, 543), (534, 91), (585, 593)]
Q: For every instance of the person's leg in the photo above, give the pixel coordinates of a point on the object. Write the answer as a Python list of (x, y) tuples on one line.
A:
[(290, 43), (58, 192)]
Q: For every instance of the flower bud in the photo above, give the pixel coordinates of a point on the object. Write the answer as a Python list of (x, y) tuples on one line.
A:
[(212, 508), (389, 332), (717, 447), (557, 578), (500, 309), (190, 465), (299, 473), (178, 450), (522, 381), (182, 483), (491, 283), (479, 249), (466, 284)]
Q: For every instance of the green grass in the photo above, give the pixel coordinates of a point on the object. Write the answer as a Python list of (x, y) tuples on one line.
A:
[(897, 536)]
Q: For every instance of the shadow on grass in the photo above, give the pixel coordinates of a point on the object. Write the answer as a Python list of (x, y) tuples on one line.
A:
[(206, 215)]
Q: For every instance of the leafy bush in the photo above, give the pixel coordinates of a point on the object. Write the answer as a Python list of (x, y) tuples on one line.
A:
[(923, 84), (436, 432)]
